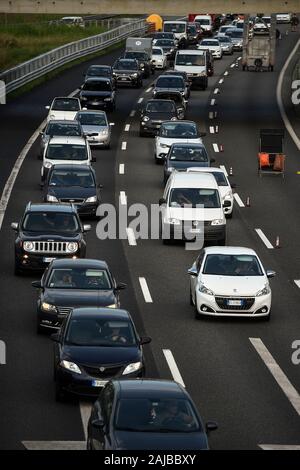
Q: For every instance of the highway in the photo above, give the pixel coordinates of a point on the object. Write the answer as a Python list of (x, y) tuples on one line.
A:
[(218, 360)]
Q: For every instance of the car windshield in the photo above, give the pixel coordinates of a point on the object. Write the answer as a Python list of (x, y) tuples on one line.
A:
[(190, 59), (98, 72), (164, 35), (157, 51), (175, 27), (224, 39), (176, 129), (50, 222), (232, 265), (82, 178), (170, 82), (203, 20), (182, 154), (160, 107), (154, 414), (101, 85), (66, 152), (167, 43), (99, 332), (126, 65), (79, 278), (92, 119), (65, 104), (223, 29), (220, 178), (235, 34), (176, 97), (193, 197), (135, 55), (58, 129), (208, 42)]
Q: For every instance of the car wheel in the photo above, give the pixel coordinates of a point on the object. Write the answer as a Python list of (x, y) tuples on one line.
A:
[(60, 395), (222, 241)]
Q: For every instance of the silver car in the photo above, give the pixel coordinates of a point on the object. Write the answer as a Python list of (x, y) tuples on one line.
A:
[(57, 128), (226, 44), (96, 127)]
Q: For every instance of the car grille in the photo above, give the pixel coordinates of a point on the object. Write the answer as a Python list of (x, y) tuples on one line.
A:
[(50, 247), (247, 303), (75, 201), (109, 371)]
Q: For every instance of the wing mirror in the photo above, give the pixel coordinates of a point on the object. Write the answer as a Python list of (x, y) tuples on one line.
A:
[(145, 340), (98, 424), (47, 107), (226, 204), (14, 225), (162, 201), (271, 273), (121, 286), (202, 134), (193, 271), (87, 227), (37, 284), (55, 337), (211, 426)]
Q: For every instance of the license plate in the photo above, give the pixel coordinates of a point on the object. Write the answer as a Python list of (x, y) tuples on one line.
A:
[(124, 79), (48, 260), (235, 303), (99, 383)]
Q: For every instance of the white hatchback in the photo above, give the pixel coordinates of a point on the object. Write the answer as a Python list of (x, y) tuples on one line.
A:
[(213, 45), (63, 108), (158, 58), (230, 282)]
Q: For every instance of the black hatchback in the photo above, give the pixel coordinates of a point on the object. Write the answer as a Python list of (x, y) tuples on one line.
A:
[(170, 83), (155, 112), (93, 346), (99, 71), (98, 93)]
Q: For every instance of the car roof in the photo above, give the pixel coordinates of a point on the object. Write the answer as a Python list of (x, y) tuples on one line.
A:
[(165, 75), (180, 123), (234, 250), (203, 169), (98, 66), (79, 262), (97, 79), (150, 388), (50, 207), (68, 139), (188, 144), (66, 98), (190, 52), (182, 179), (100, 312), (160, 100), (71, 166), (91, 111), (63, 122)]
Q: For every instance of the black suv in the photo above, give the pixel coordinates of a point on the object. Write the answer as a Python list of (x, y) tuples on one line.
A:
[(98, 93), (46, 232), (144, 61), (97, 71), (127, 72), (154, 113), (170, 83)]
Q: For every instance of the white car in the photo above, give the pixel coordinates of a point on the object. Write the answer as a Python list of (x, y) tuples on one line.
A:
[(171, 132), (225, 188), (260, 27), (63, 150), (213, 45), (158, 58), (283, 18), (63, 108), (230, 282)]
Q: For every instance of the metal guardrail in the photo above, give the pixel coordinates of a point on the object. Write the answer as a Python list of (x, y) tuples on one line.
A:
[(26, 72)]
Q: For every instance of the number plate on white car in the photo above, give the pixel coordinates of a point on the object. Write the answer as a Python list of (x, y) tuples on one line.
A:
[(235, 303), (99, 383)]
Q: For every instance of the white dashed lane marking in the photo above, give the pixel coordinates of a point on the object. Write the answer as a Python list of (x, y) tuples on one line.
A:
[(145, 290), (216, 147), (121, 169), (238, 200), (132, 114), (131, 236), (123, 198), (173, 366), (127, 127), (124, 145), (140, 100), (264, 239)]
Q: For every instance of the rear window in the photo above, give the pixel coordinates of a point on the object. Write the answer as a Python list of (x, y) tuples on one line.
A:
[(170, 82), (65, 104), (58, 129), (66, 152), (100, 85)]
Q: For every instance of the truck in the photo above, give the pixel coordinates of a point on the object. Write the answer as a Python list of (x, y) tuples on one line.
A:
[(141, 50), (179, 28), (258, 49), (207, 21)]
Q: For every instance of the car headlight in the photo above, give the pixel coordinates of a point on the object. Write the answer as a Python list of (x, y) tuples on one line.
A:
[(171, 50), (107, 99), (146, 118), (47, 164), (205, 290), (172, 221), (112, 306), (51, 198), (265, 291), (202, 74), (72, 247), (174, 118), (28, 246), (103, 132), (49, 308), (217, 222), (134, 75), (132, 367), (142, 65), (71, 366), (91, 199)]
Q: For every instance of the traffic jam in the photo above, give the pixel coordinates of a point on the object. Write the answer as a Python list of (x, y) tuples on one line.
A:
[(167, 144)]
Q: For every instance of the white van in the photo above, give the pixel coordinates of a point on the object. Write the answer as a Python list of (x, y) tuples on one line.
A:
[(206, 23), (179, 28), (193, 62), (180, 214)]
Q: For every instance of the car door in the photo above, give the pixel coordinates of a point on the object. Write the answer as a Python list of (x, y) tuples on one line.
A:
[(103, 435)]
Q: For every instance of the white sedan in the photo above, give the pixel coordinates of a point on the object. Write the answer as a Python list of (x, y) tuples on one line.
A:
[(63, 108), (158, 58), (213, 45), (230, 282)]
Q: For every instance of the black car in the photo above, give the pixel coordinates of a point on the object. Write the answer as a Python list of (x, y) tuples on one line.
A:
[(184, 75), (98, 93), (168, 46), (46, 232), (193, 34), (93, 346), (97, 71), (58, 128), (163, 35), (71, 283), (156, 111), (144, 60), (177, 98), (128, 72), (146, 414), (182, 156), (170, 83), (74, 184)]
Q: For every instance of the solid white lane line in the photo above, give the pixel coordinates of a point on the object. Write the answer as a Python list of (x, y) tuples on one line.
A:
[(121, 169), (123, 198), (124, 145), (238, 200), (85, 413), (297, 282), (127, 127), (216, 90), (15, 171), (211, 129), (224, 169), (279, 447), (173, 366), (149, 89), (278, 374), (216, 147), (263, 237), (221, 81), (213, 102), (279, 98), (140, 100), (131, 236), (145, 290), (132, 114)]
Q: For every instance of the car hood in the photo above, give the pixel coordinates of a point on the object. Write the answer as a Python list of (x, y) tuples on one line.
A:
[(71, 192), (234, 285), (33, 236), (125, 72), (62, 115), (193, 213), (160, 116), (169, 141), (79, 297), (101, 355), (90, 129), (102, 94), (186, 164), (163, 441), (211, 48), (167, 90)]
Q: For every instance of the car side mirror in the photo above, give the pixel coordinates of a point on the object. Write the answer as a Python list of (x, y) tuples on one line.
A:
[(145, 340), (98, 424), (162, 201), (36, 284), (226, 204), (87, 227), (47, 107), (14, 225), (100, 186), (193, 271), (42, 185), (55, 337), (121, 286), (271, 273), (211, 426)]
